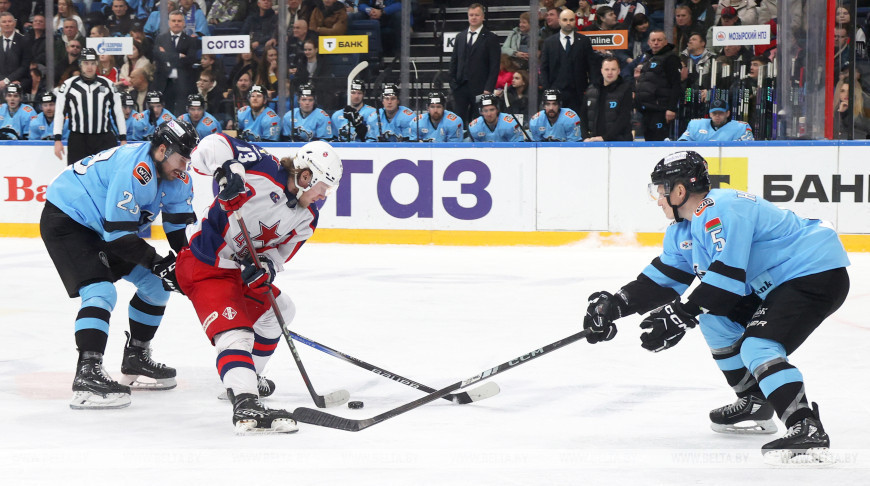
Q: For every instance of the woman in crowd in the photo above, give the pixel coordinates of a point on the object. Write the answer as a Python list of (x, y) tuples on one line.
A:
[(516, 95), (267, 74), (244, 62), (66, 10), (134, 60), (106, 67)]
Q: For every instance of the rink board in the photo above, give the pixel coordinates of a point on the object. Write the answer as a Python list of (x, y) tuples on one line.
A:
[(517, 194)]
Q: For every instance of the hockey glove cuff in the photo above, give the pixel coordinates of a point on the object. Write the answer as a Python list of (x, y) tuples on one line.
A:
[(603, 309), (667, 325), (164, 268), (231, 179), (259, 277)]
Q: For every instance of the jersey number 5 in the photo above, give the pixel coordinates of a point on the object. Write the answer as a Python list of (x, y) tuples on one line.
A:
[(719, 242)]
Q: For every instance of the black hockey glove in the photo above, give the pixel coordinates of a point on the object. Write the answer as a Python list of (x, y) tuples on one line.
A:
[(353, 117), (666, 325), (259, 277), (231, 179), (604, 308), (165, 271)]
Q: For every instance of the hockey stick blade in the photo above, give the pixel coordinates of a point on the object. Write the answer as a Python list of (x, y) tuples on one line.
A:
[(462, 398), (323, 419), (353, 74)]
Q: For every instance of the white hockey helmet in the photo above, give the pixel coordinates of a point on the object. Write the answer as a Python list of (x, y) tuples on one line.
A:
[(320, 158)]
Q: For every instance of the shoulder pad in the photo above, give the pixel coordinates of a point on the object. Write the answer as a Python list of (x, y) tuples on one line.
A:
[(451, 116), (508, 118), (407, 111)]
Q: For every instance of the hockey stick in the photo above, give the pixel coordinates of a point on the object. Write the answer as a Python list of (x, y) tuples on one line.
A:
[(480, 393), (323, 419), (335, 398), (507, 104), (353, 74)]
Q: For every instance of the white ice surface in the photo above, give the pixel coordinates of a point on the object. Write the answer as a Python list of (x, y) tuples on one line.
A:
[(604, 414)]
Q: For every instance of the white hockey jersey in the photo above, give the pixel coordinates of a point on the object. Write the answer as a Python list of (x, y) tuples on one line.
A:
[(278, 225)]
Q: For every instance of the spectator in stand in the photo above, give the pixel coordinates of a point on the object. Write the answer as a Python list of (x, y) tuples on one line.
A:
[(98, 31), (64, 66), (132, 61), (585, 14), (625, 10), (17, 53), (121, 19), (245, 62), (845, 114), (516, 96), (140, 80), (329, 18), (568, 62), (137, 32), (746, 10), (152, 25), (700, 57), (36, 39), (267, 73), (66, 10), (206, 87), (638, 35), (223, 11), (70, 31), (238, 95), (767, 11), (36, 86), (842, 49), (609, 103), (296, 45), (658, 87), (106, 68), (296, 11), (506, 70), (517, 43), (684, 26), (262, 26), (703, 13), (174, 55), (551, 24), (605, 19), (195, 24), (210, 63), (311, 70), (389, 14), (728, 17), (473, 64), (735, 56)]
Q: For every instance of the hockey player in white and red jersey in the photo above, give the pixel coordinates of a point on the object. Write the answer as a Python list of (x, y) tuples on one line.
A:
[(276, 199)]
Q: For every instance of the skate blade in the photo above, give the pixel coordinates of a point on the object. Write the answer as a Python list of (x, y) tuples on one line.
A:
[(279, 426), (85, 400), (139, 382), (810, 458), (747, 427)]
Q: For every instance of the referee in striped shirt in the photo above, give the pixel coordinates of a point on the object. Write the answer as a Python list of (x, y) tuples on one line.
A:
[(88, 100)]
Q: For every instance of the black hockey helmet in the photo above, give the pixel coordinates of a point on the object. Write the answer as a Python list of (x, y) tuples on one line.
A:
[(127, 100), (88, 54), (487, 100), (48, 98), (357, 85), (306, 89), (553, 95), (154, 98), (687, 168), (435, 98), (178, 136), (389, 89), (258, 89), (196, 101), (13, 88)]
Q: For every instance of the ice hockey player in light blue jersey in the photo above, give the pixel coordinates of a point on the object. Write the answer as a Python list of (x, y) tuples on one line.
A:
[(718, 127), (154, 115), (307, 122), (196, 115), (392, 122), (15, 115), (258, 122), (41, 127), (768, 279), (90, 224), (438, 124), (554, 123), (349, 124), (492, 126)]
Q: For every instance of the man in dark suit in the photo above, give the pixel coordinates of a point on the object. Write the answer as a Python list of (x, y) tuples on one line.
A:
[(568, 63), (174, 55), (474, 64), (15, 53)]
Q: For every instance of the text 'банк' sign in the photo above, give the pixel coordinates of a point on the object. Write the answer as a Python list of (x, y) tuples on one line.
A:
[(608, 39), (344, 44)]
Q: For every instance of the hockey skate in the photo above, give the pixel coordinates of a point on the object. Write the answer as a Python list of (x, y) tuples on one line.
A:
[(141, 372), (805, 443), (748, 415), (94, 389), (251, 417), (265, 387)]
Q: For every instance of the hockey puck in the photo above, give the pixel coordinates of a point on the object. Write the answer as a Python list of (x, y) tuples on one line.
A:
[(355, 404)]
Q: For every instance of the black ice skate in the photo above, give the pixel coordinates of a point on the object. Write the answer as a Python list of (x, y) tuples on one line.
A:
[(265, 387), (94, 389), (251, 417), (748, 415), (805, 442), (143, 373)]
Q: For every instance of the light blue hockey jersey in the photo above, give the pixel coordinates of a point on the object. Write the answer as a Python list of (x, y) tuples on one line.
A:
[(394, 130), (739, 243), (144, 123), (566, 129), (138, 126), (206, 126), (506, 130), (264, 128), (449, 130), (701, 130), (342, 128), (42, 129), (315, 126), (20, 121), (118, 192)]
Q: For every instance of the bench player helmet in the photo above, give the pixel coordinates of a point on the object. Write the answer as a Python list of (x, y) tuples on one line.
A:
[(487, 100), (553, 95), (320, 158), (687, 168), (178, 136), (196, 100)]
